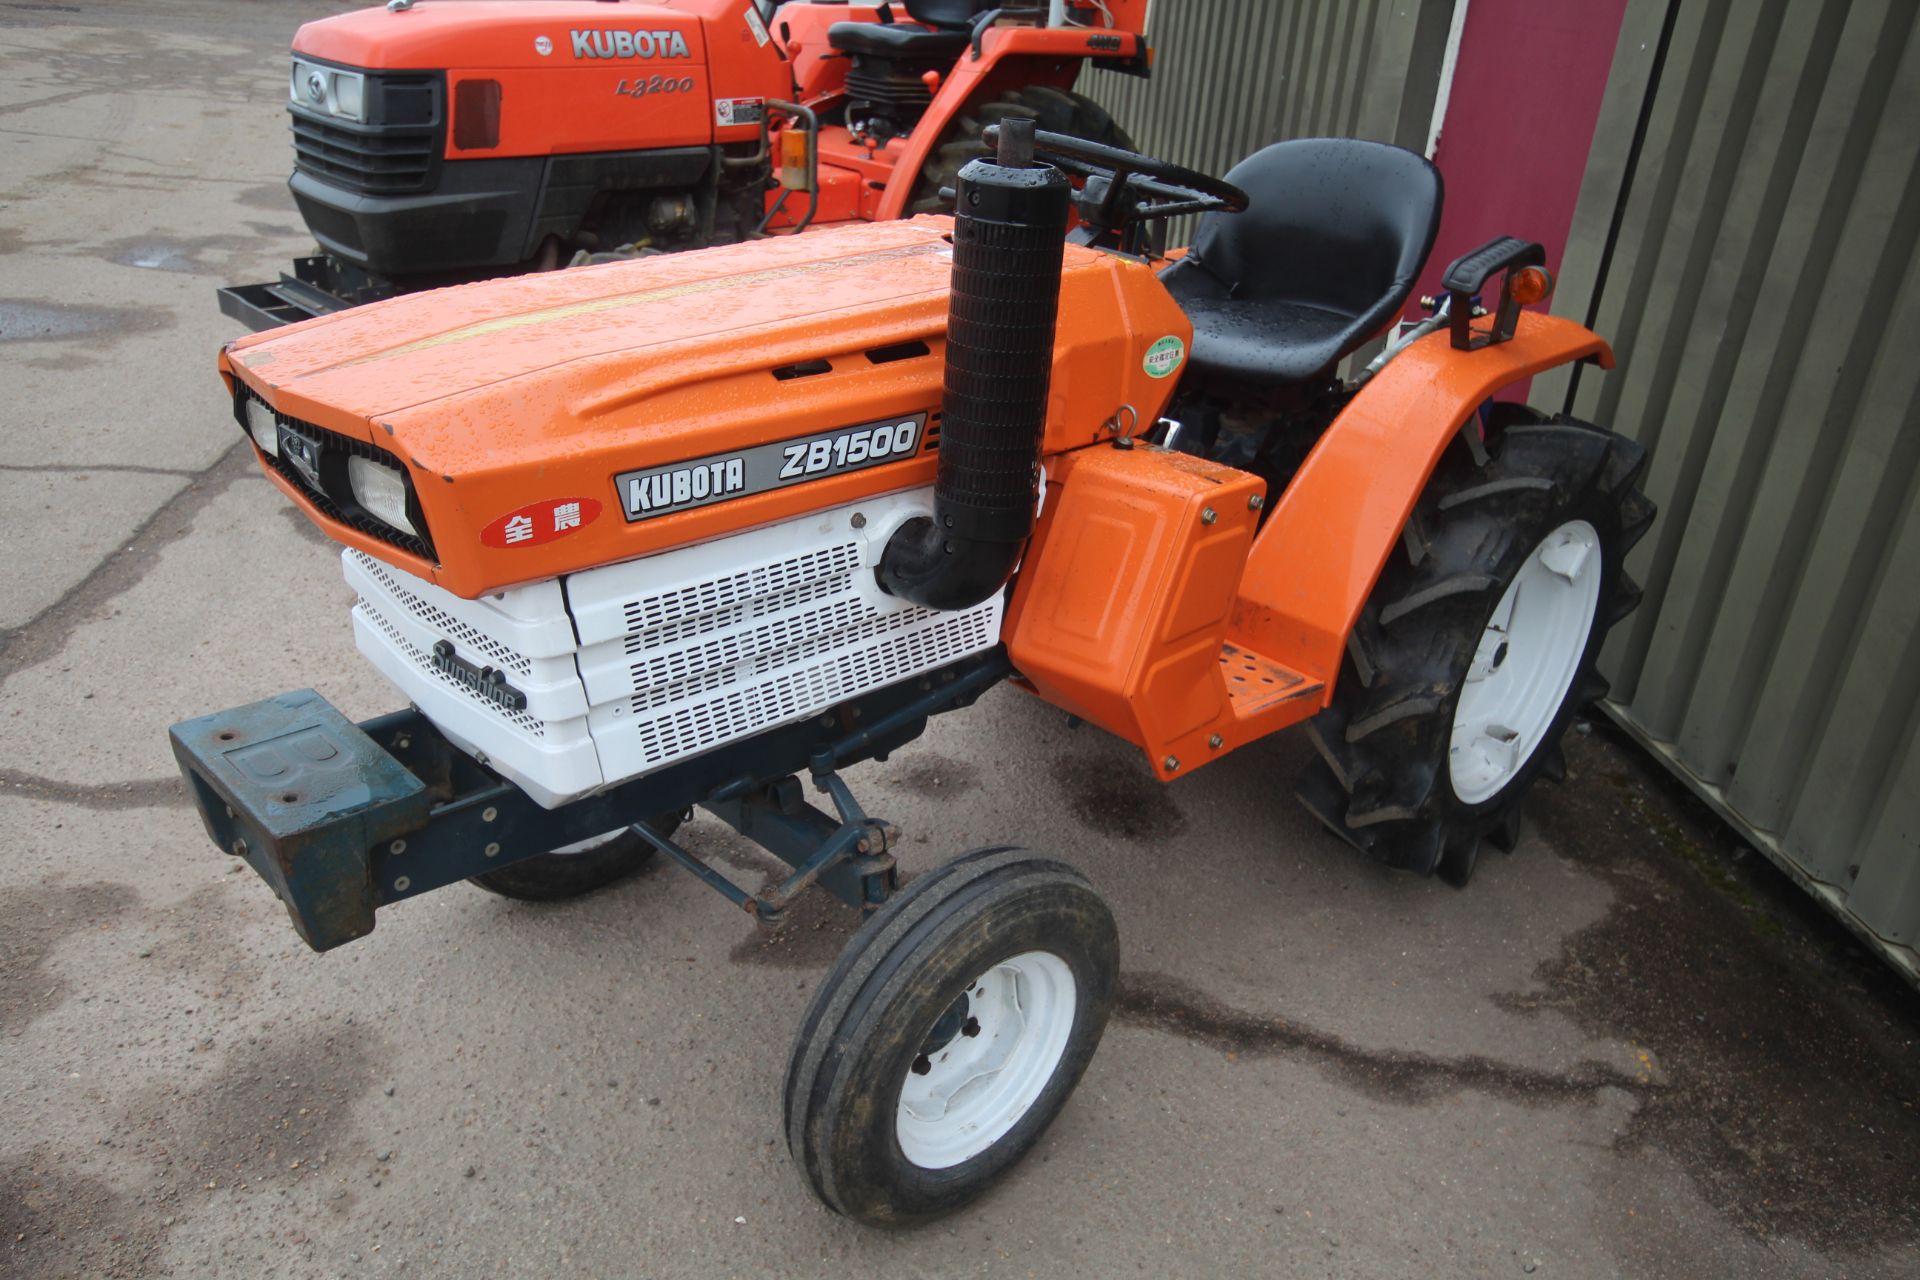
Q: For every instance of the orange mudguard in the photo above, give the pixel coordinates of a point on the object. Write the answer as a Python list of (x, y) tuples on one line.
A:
[(1316, 560)]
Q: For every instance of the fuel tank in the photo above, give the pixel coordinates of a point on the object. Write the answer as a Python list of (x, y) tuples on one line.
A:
[(550, 423)]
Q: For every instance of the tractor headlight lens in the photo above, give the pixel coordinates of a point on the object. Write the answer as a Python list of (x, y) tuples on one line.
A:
[(262, 426), (381, 492), (349, 95), (323, 89)]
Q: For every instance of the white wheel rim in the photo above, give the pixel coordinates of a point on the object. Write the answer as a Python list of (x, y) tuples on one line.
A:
[(1007, 1035), (1525, 662)]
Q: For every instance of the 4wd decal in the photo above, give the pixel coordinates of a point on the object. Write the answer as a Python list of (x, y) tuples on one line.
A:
[(541, 521), (682, 486), (629, 44)]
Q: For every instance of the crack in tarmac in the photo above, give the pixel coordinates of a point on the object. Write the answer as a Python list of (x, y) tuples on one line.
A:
[(47, 632), (141, 793), (1158, 1002), (84, 467)]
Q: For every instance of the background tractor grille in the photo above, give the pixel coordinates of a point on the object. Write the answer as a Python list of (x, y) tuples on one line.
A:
[(395, 152)]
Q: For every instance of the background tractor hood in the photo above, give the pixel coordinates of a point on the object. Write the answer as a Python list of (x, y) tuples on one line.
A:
[(434, 36)]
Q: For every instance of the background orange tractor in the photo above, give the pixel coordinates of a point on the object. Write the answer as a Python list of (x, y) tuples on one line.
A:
[(448, 140), (673, 533)]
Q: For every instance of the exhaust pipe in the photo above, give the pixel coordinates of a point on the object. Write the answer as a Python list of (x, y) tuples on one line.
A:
[(1009, 235)]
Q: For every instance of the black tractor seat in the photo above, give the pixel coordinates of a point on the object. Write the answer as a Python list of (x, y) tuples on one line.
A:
[(946, 26), (1325, 255), (895, 40)]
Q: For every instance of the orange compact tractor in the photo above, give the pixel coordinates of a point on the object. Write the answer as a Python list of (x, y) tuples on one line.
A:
[(680, 533), (449, 140)]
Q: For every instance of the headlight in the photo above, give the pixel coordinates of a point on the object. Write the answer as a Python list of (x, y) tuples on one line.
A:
[(262, 426), (336, 93), (381, 492)]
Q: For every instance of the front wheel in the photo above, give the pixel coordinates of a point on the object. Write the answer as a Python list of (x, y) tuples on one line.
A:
[(949, 1035), (1479, 643), (575, 870)]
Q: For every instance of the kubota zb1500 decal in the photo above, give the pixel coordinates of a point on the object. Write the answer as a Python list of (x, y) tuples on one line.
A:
[(681, 486)]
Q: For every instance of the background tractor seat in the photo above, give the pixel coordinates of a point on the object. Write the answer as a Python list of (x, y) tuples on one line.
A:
[(945, 30), (1326, 254)]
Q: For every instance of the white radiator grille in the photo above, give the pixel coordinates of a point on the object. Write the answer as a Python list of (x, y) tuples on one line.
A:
[(636, 665), (528, 724), (464, 637), (724, 640), (798, 692)]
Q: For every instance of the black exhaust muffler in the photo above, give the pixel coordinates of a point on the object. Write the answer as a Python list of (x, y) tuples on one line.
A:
[(1009, 234)]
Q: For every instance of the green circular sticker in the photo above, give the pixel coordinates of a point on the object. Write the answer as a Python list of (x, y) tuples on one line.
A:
[(1164, 356)]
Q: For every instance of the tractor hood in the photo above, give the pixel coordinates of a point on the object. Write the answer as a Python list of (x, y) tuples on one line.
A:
[(437, 34), (508, 397)]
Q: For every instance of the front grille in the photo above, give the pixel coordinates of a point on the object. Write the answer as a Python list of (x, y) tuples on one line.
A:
[(692, 649), (338, 505), (372, 159), (531, 725), (468, 639), (396, 152)]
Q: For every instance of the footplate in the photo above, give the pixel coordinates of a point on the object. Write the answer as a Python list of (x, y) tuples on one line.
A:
[(303, 794)]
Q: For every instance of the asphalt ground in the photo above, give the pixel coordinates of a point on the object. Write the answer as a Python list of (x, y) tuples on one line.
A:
[(1628, 1049)]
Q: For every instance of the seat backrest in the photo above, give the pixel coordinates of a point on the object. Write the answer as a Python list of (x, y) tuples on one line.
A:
[(1335, 223), (948, 15)]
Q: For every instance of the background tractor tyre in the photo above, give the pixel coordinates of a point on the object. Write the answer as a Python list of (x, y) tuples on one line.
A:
[(949, 1034), (573, 870), (1478, 643), (1057, 110)]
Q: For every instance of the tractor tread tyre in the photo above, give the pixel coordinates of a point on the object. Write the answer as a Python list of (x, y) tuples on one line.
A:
[(1056, 110), (913, 958), (554, 877), (1382, 779)]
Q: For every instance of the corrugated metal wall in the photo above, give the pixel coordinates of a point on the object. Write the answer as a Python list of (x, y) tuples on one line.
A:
[(1231, 76), (1763, 294)]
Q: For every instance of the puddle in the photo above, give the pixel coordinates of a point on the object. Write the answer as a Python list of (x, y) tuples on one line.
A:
[(156, 257), (44, 322)]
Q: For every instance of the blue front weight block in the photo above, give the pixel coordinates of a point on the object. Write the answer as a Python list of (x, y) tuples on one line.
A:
[(304, 795)]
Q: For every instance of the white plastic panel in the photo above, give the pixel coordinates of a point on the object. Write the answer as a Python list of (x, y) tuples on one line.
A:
[(688, 650), (684, 651)]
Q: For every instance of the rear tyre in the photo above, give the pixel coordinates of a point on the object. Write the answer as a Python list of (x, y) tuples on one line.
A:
[(577, 869), (949, 1035), (1479, 643), (1056, 110)]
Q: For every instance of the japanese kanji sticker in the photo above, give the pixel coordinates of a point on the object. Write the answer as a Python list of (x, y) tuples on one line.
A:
[(539, 522)]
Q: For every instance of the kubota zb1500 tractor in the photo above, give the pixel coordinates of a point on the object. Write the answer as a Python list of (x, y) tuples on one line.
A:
[(446, 140), (680, 532)]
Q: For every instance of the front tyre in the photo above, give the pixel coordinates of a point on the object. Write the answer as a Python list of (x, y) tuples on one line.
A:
[(1479, 643), (949, 1035), (575, 870)]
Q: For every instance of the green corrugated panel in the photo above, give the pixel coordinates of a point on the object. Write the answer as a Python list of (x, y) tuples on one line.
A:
[(1764, 299), (1231, 76)]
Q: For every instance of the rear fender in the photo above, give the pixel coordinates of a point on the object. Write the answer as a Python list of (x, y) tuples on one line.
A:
[(1314, 564), (1054, 54)]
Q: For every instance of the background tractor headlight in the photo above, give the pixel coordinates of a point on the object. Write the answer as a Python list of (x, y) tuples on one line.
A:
[(262, 426), (334, 93), (381, 492)]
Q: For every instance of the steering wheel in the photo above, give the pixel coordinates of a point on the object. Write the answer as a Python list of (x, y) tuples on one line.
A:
[(1123, 190)]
